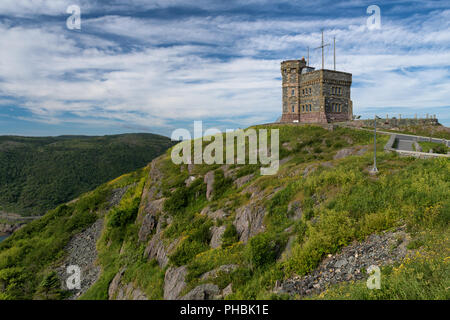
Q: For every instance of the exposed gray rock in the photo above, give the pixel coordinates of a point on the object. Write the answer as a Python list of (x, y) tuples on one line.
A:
[(148, 225), (114, 285), (206, 291), (81, 251), (189, 180), (157, 250), (227, 268), (343, 153), (209, 180), (327, 164), (174, 282), (214, 215), (249, 221), (216, 236), (229, 173), (296, 207), (243, 180), (361, 151), (227, 290), (377, 250), (154, 207), (119, 291), (116, 196), (191, 168), (285, 160), (308, 170)]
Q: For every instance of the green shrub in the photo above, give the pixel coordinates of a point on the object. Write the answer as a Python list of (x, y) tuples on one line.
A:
[(186, 251), (177, 201), (230, 235), (221, 184), (263, 249)]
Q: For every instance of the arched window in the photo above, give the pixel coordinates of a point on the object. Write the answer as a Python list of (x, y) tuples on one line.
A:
[(293, 108), (293, 92), (309, 90)]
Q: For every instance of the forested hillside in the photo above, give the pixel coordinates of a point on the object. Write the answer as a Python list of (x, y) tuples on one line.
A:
[(37, 174)]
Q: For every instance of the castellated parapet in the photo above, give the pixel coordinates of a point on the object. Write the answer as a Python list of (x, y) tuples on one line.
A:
[(314, 96)]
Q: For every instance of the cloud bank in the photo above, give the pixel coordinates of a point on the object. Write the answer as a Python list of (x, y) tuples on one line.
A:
[(158, 65)]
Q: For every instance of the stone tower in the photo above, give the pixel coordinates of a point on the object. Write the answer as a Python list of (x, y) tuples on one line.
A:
[(314, 96)]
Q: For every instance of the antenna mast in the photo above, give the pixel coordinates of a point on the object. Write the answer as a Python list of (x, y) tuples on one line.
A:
[(307, 63), (334, 46), (323, 46)]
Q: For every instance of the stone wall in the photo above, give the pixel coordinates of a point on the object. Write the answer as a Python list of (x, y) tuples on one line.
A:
[(390, 123)]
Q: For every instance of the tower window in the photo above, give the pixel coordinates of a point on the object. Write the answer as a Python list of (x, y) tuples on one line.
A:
[(309, 90), (293, 92), (293, 108)]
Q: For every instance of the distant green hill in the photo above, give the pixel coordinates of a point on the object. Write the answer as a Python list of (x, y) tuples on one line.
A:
[(39, 173)]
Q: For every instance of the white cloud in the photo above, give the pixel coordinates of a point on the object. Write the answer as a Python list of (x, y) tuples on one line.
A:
[(100, 79)]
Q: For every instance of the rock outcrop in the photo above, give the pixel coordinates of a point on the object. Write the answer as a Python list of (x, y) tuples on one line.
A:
[(119, 291), (156, 249), (249, 221), (206, 291), (216, 236), (209, 181), (227, 268), (174, 282)]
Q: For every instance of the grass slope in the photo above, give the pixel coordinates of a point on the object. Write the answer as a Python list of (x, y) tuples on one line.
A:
[(341, 202)]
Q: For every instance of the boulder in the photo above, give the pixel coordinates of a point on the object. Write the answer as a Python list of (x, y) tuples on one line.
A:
[(206, 291), (249, 221), (189, 180), (243, 180), (343, 153), (174, 282), (114, 285), (209, 181), (226, 268), (227, 290), (308, 170), (148, 225), (216, 238), (157, 250)]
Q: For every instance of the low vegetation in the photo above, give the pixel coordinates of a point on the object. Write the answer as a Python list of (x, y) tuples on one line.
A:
[(339, 202)]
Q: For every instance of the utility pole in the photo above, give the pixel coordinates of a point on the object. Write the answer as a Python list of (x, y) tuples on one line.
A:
[(322, 46), (374, 169)]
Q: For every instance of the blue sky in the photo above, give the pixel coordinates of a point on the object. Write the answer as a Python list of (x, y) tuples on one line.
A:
[(154, 66)]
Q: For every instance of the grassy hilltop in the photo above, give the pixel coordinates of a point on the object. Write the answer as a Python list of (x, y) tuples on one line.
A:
[(37, 174), (164, 235)]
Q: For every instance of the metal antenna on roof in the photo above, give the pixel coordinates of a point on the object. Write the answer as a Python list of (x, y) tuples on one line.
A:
[(323, 46)]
